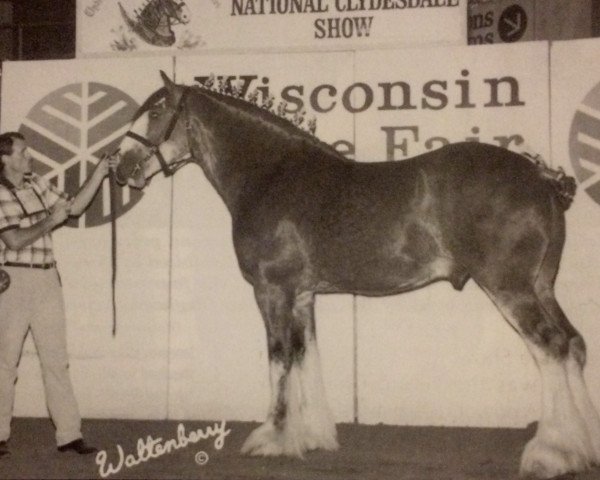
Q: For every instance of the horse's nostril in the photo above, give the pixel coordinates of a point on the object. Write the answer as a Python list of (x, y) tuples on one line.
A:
[(120, 180)]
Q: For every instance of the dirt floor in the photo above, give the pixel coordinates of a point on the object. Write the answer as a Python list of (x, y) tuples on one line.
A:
[(367, 452)]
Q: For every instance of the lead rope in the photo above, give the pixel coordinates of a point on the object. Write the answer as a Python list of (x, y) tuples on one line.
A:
[(113, 195), (113, 223)]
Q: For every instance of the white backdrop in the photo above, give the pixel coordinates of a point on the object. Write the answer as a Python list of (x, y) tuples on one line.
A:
[(190, 342), (575, 88), (126, 376), (102, 28)]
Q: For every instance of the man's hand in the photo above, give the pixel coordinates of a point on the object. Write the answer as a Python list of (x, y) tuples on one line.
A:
[(106, 163), (60, 211), (90, 187)]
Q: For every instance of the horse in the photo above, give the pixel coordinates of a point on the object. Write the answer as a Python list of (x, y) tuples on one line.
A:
[(306, 221), (154, 20)]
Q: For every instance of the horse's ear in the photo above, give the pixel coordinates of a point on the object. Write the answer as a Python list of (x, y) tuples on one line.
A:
[(166, 80)]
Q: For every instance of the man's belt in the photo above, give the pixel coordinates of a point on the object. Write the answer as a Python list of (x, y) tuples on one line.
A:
[(43, 266)]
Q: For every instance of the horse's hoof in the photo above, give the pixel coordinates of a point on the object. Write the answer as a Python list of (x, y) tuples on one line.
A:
[(541, 459), (292, 439), (593, 428), (268, 441)]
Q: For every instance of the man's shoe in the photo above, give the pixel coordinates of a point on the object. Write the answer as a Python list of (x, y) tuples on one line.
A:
[(4, 451), (78, 446)]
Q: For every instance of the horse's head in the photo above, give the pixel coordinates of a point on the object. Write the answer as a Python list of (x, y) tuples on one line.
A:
[(179, 11), (157, 139)]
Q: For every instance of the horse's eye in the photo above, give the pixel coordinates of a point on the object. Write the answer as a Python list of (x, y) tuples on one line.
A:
[(154, 114)]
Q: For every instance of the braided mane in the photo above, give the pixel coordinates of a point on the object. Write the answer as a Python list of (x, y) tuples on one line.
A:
[(265, 115)]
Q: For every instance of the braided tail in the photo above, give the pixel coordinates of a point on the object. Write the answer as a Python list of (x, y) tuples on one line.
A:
[(564, 186)]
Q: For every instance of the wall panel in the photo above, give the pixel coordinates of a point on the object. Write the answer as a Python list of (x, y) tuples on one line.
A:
[(576, 148), (72, 109), (190, 341)]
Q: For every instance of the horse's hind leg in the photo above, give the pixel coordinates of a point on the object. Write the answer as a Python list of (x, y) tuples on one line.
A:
[(299, 418), (576, 356), (574, 364), (568, 433), (562, 442)]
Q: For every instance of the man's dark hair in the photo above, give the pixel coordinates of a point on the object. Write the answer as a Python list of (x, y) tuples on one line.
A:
[(6, 142)]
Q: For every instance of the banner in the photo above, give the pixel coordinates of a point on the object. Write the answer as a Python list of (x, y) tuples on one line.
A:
[(131, 26), (502, 21), (191, 342)]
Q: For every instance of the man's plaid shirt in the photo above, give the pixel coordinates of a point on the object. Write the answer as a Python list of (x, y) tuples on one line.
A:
[(22, 208)]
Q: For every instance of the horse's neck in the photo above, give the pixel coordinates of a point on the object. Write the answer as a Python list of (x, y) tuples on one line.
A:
[(240, 152)]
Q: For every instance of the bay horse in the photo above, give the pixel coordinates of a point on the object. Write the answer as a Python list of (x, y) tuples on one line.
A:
[(306, 220)]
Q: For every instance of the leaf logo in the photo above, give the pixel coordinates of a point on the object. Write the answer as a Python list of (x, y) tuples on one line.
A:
[(584, 144), (69, 130)]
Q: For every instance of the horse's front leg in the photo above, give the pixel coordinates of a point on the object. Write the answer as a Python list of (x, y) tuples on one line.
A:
[(299, 418)]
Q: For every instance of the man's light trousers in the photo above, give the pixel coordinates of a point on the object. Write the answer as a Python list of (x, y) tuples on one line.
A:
[(34, 301)]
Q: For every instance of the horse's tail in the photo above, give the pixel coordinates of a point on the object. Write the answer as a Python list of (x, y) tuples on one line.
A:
[(563, 185)]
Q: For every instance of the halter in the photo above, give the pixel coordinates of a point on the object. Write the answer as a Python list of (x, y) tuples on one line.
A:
[(154, 150)]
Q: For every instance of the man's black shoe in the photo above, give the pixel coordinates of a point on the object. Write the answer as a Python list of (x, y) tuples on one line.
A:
[(78, 446), (4, 451)]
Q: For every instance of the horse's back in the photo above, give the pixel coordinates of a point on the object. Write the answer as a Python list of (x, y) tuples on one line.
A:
[(383, 227), (452, 186)]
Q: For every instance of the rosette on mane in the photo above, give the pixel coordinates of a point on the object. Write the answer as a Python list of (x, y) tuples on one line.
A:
[(233, 90)]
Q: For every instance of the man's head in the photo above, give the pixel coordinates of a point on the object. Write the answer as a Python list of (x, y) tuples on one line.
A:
[(13, 152), (6, 142)]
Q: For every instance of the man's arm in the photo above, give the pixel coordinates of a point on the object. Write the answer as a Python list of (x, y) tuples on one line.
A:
[(88, 190), (17, 238)]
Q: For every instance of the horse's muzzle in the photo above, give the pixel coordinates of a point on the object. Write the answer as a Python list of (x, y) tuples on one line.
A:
[(138, 182), (120, 178), (129, 171)]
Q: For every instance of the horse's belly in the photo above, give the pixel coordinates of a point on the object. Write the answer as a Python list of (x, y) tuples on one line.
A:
[(404, 255), (386, 276)]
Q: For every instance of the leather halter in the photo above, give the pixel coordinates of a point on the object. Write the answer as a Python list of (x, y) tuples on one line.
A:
[(167, 168)]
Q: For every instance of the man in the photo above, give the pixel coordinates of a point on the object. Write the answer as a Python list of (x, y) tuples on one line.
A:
[(30, 208)]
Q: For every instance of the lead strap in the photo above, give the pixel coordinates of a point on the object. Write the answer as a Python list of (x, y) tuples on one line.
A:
[(112, 181)]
